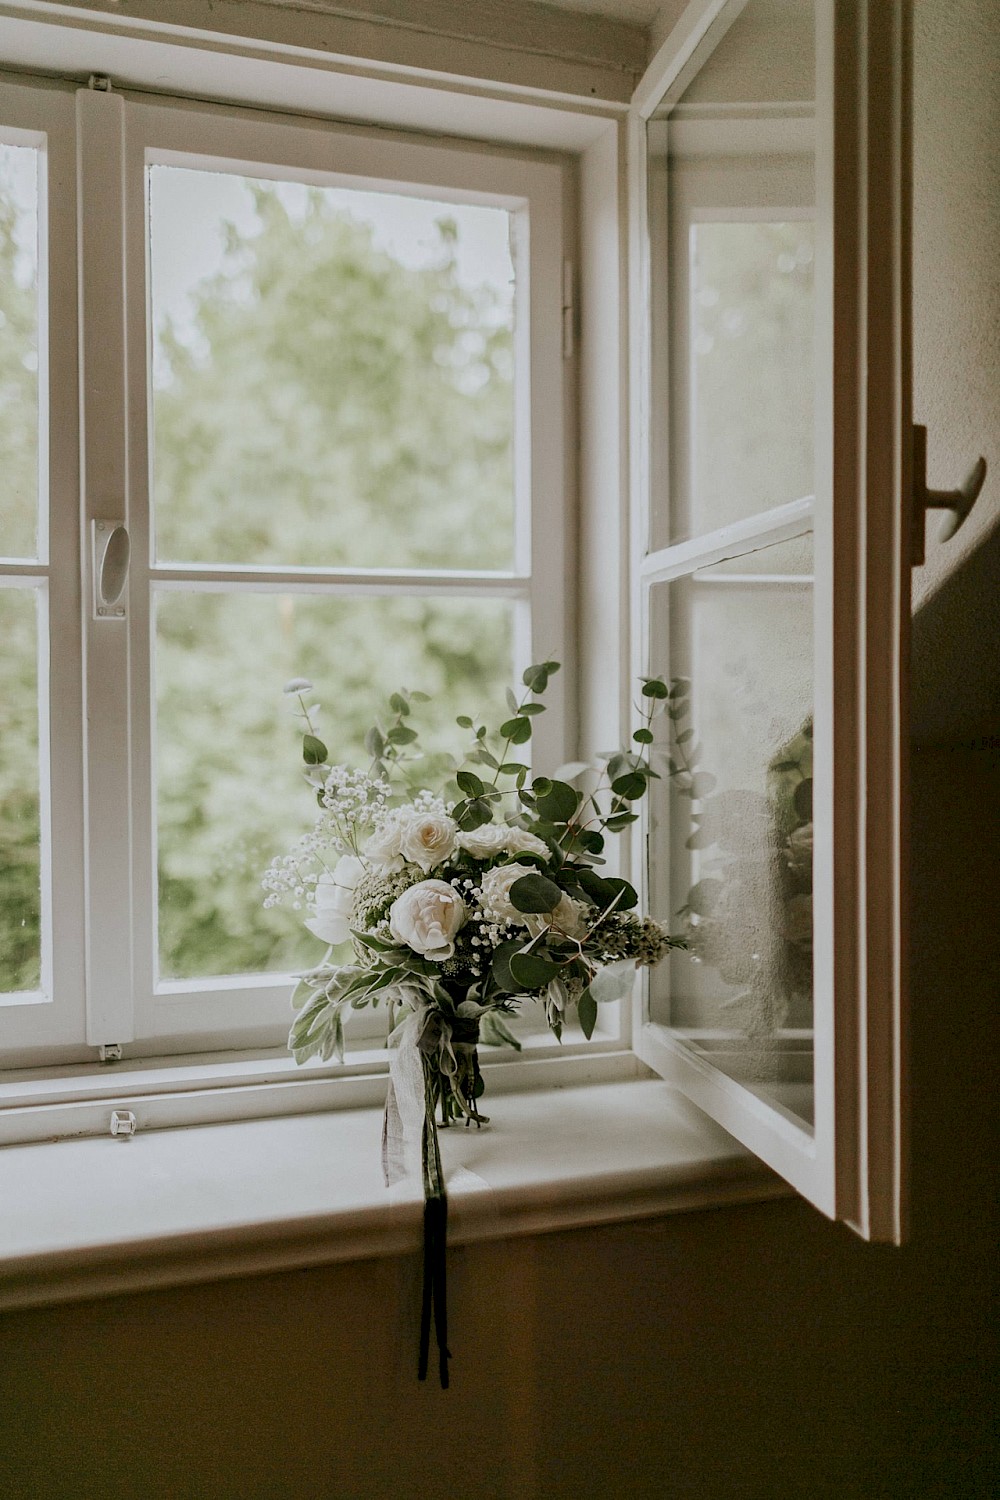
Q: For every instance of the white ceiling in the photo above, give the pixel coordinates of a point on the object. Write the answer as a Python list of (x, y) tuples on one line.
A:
[(638, 12)]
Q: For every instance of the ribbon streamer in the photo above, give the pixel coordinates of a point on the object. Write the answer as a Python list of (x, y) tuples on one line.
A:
[(410, 1148)]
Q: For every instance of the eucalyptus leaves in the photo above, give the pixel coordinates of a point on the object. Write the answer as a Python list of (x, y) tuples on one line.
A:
[(481, 897)]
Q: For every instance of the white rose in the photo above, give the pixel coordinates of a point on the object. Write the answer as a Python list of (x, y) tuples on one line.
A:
[(428, 839), (426, 918), (485, 842), (383, 848), (334, 900), (496, 892), (520, 841), (498, 838)]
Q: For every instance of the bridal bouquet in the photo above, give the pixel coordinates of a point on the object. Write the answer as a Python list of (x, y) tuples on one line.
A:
[(458, 907)]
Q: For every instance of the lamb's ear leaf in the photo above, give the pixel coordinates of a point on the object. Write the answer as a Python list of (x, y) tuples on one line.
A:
[(495, 1033), (613, 982)]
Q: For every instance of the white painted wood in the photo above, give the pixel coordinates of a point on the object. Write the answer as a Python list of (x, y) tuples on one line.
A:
[(698, 30), (169, 1097), (44, 118), (852, 1165), (103, 1216), (872, 403), (105, 487), (194, 576), (178, 1016), (735, 540), (226, 51), (602, 572)]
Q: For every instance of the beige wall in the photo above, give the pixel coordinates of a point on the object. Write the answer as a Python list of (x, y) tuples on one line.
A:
[(758, 1353)]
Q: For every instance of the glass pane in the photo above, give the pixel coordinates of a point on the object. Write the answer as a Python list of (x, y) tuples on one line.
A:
[(731, 835), (18, 351), (229, 793), (732, 196), (332, 376), (20, 841), (751, 333)]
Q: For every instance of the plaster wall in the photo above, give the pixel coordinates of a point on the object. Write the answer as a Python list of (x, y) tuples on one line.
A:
[(755, 1353)]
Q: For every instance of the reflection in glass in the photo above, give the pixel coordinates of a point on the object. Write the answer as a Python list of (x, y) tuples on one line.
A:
[(751, 341), (20, 847), (332, 376), (731, 838), (228, 795), (731, 208), (18, 351)]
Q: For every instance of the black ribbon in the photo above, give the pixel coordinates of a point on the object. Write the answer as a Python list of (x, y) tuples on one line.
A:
[(435, 1290)]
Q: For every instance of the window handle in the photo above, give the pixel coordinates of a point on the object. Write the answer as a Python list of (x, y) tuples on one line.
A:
[(111, 552), (957, 503)]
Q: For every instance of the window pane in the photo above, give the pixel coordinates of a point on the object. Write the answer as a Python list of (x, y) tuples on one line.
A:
[(731, 836), (18, 351), (229, 795), (732, 206), (332, 376), (751, 332), (20, 846)]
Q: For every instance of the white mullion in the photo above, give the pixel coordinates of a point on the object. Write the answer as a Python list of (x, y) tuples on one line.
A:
[(192, 578), (28, 576), (540, 463), (104, 404), (52, 1019), (781, 524)]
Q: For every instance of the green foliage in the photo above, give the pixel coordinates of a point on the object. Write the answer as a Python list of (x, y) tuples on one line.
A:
[(323, 412)]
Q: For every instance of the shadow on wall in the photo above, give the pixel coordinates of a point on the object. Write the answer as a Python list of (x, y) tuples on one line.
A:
[(956, 652)]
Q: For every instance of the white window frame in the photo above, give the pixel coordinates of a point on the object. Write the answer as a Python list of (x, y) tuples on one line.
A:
[(852, 1164), (867, 54), (52, 1019), (116, 138)]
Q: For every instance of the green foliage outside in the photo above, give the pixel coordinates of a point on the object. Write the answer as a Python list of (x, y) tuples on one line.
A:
[(328, 406), (19, 849)]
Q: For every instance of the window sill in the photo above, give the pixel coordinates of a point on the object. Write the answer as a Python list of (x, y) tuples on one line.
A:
[(97, 1216)]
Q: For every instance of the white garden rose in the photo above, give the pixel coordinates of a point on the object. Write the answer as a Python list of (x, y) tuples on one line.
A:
[(497, 838), (427, 917), (384, 848), (520, 841), (485, 842), (334, 900), (428, 839), (496, 892)]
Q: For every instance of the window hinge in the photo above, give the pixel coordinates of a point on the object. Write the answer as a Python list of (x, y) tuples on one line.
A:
[(110, 1052), (100, 83), (568, 310), (122, 1123)]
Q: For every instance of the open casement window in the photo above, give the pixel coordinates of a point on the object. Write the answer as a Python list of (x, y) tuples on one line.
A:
[(771, 570), (310, 357)]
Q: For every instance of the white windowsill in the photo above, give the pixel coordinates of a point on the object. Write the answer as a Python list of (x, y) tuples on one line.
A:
[(94, 1217)]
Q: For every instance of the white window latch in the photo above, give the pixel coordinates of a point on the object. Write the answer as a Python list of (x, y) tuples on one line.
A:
[(122, 1123), (110, 553), (568, 310)]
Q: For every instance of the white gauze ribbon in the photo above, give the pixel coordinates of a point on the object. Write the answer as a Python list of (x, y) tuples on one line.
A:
[(405, 1102)]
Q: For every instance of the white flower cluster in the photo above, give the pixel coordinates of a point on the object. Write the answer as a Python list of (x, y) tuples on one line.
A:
[(351, 800), (421, 834)]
